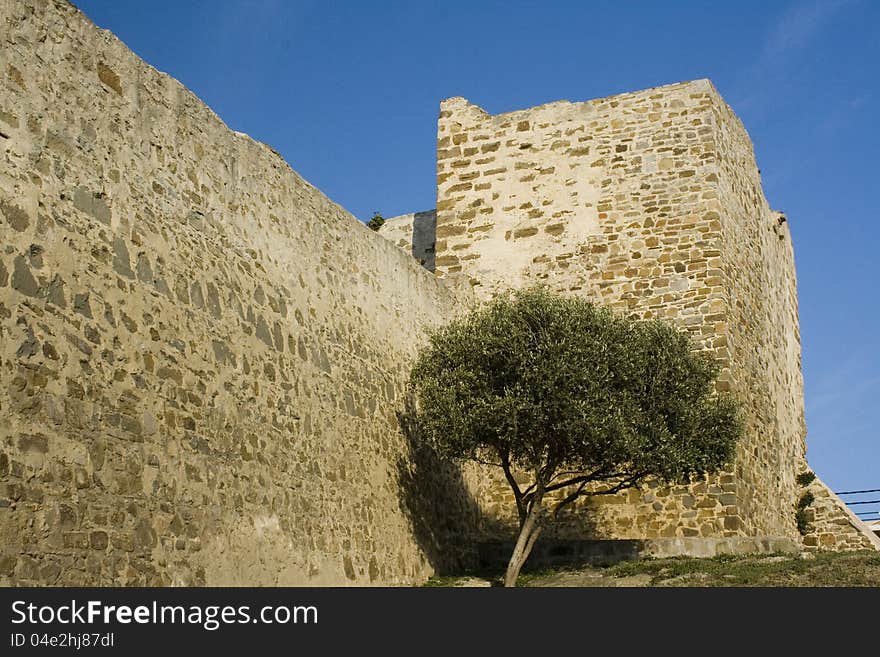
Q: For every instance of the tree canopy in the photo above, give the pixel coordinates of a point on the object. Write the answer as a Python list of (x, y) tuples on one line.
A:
[(376, 221), (572, 395)]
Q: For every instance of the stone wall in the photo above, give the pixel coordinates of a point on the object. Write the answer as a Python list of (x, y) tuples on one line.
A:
[(649, 202), (201, 356), (494, 555), (762, 332), (831, 524), (414, 232)]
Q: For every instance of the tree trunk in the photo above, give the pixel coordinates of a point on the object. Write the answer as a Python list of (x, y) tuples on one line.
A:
[(528, 534)]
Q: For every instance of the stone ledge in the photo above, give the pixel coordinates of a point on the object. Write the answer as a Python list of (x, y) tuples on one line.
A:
[(573, 552)]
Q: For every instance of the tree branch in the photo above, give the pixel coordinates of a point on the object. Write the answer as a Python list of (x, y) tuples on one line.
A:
[(482, 462), (626, 483), (517, 493), (569, 499), (601, 473), (536, 532), (538, 489), (528, 532)]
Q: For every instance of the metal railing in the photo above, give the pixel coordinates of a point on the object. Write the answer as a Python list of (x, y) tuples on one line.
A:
[(867, 514)]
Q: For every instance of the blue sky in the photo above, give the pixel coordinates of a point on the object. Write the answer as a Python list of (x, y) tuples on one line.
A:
[(348, 93)]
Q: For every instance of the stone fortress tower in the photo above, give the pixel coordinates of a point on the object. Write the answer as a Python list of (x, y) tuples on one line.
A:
[(649, 202), (203, 358)]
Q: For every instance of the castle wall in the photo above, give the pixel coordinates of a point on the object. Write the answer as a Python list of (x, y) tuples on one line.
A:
[(763, 333), (831, 524), (414, 232), (201, 357), (635, 201)]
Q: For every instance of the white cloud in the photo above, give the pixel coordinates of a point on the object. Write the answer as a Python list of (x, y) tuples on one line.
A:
[(797, 27), (784, 42)]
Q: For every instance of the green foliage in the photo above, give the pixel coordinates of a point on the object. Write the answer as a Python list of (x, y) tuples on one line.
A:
[(801, 517), (806, 500), (803, 522), (806, 478), (376, 221), (554, 385), (566, 396)]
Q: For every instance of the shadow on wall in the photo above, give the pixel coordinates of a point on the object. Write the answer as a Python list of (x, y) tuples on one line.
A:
[(458, 537), (574, 539), (561, 553), (447, 522), (424, 238)]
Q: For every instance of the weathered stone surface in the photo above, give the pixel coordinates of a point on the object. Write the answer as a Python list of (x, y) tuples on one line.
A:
[(150, 437), (221, 400), (92, 203), (649, 202), (22, 279), (16, 217), (832, 525), (555, 553), (109, 77), (415, 232)]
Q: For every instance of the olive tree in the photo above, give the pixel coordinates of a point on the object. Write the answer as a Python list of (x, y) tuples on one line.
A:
[(572, 399)]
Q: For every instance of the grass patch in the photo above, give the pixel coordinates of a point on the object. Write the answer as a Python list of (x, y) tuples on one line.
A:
[(822, 569), (435, 581), (860, 569)]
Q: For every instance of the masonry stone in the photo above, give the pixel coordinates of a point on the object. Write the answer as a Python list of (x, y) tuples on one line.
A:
[(415, 232), (203, 360), (217, 403), (832, 525), (651, 203)]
